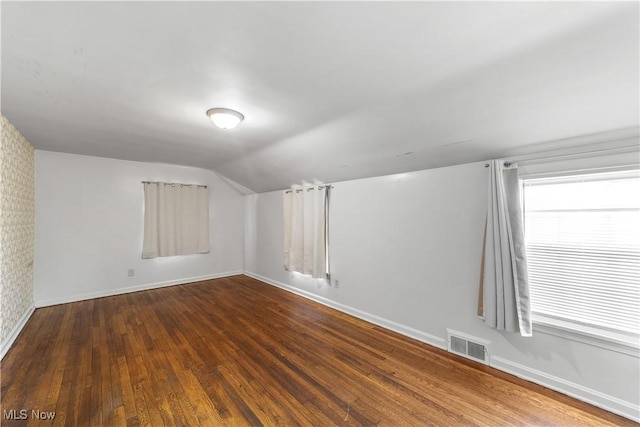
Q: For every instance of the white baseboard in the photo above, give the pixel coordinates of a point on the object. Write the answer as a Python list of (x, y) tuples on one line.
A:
[(585, 394), (593, 397), (8, 342), (371, 318), (119, 291)]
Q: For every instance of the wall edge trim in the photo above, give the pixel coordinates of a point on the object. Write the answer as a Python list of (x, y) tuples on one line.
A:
[(15, 332), (580, 392), (363, 315), (136, 288)]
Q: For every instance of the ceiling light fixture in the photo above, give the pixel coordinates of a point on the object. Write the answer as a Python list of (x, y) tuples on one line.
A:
[(225, 118)]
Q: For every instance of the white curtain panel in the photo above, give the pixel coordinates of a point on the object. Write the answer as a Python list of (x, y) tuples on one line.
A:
[(504, 293), (287, 211), (176, 220), (305, 230), (296, 248)]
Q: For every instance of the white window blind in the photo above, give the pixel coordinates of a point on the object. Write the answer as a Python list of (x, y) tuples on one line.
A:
[(582, 236)]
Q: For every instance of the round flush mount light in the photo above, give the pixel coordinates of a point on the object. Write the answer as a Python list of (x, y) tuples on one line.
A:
[(225, 118)]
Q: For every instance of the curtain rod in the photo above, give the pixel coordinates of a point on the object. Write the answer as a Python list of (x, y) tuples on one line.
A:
[(523, 158), (506, 164), (173, 184), (320, 187)]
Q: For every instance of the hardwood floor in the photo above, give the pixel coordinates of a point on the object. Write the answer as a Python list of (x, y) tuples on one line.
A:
[(238, 352)]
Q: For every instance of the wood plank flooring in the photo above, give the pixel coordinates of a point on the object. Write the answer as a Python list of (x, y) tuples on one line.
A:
[(238, 352)]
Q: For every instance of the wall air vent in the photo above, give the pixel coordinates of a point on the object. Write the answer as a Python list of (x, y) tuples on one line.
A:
[(470, 347)]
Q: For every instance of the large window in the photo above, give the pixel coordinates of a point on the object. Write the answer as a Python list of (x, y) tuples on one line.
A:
[(582, 237)]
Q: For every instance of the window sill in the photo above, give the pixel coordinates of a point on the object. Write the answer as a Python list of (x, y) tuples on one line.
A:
[(618, 342)]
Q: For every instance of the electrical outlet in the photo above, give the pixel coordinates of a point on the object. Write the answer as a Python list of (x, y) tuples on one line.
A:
[(131, 272), (336, 283)]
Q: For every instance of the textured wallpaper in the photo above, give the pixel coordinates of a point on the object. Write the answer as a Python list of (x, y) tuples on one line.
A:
[(17, 193)]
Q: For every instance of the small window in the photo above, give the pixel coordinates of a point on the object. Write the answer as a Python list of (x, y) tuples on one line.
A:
[(176, 219), (582, 235)]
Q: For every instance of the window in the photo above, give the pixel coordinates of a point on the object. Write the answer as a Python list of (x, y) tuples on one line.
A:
[(176, 219), (306, 230), (582, 236)]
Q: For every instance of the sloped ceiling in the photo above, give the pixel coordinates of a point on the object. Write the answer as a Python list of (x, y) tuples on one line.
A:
[(331, 91)]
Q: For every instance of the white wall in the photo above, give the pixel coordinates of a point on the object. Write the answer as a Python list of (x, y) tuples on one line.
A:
[(89, 226), (406, 252)]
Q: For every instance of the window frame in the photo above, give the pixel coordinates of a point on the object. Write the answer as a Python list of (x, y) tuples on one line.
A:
[(619, 341)]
